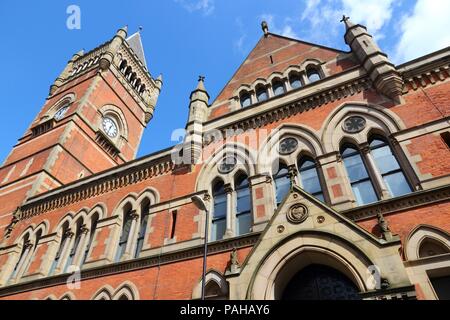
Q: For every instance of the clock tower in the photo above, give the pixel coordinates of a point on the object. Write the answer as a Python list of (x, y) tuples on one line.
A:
[(92, 120)]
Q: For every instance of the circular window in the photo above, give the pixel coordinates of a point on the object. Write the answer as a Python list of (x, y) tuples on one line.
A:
[(227, 165), (354, 124), (288, 145), (61, 112), (110, 127)]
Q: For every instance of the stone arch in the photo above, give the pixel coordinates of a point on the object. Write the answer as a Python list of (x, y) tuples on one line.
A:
[(126, 289), (305, 136), (292, 69), (211, 276), (275, 75), (69, 98), (378, 119), (422, 233), (104, 293), (246, 161), (68, 296), (301, 249)]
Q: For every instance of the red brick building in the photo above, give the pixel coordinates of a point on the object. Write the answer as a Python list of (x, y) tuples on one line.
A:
[(326, 174)]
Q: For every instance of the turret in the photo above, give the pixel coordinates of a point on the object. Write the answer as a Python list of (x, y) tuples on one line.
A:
[(198, 113), (382, 72), (65, 74), (114, 46)]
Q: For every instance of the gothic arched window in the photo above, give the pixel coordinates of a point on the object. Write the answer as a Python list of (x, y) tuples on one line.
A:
[(245, 99), (145, 208), (261, 94), (219, 217), (295, 80), (357, 174), (125, 234), (310, 178), (62, 243), (389, 167), (282, 182), (26, 248), (94, 221), (278, 87), (313, 74), (76, 244), (243, 205)]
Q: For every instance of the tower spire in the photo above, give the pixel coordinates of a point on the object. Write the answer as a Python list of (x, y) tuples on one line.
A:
[(265, 28)]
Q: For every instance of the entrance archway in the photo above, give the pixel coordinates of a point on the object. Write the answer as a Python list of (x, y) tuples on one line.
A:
[(320, 282)]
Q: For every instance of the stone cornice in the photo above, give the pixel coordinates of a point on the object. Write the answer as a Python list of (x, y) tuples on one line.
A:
[(135, 264), (425, 71), (407, 202), (264, 113), (130, 173)]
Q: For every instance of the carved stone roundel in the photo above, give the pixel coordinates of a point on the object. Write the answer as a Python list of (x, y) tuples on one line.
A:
[(297, 214), (227, 165), (288, 145), (354, 124)]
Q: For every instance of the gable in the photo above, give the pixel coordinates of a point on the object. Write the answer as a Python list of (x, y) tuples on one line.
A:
[(317, 234), (276, 53)]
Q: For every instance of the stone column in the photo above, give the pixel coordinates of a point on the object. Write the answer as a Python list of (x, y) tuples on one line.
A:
[(229, 230), (65, 251), (84, 241), (374, 173), (131, 243)]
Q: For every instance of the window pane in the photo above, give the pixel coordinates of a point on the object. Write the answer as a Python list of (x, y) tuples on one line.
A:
[(220, 206), (243, 223), (282, 185), (295, 83), (262, 95), (218, 229), (246, 101), (278, 89), (313, 76), (320, 197), (310, 181), (243, 200), (364, 192), (306, 164), (397, 184), (355, 168), (385, 160)]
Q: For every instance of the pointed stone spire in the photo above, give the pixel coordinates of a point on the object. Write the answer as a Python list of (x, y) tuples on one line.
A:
[(198, 114), (382, 72), (200, 92), (159, 81), (347, 22)]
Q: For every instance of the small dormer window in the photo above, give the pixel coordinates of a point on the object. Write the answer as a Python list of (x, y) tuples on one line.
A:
[(278, 87), (261, 94), (295, 81), (246, 99), (313, 75)]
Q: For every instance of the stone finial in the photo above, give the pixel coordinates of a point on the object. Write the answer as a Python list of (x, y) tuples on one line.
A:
[(265, 28), (346, 21)]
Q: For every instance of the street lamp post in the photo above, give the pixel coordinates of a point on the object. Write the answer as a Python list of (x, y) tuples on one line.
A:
[(201, 205)]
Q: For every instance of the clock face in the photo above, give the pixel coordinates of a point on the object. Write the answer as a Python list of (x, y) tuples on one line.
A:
[(110, 127), (60, 113)]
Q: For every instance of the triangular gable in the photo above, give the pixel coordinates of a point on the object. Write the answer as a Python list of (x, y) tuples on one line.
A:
[(284, 51)]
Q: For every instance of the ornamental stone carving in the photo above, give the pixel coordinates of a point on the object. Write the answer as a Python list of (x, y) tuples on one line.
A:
[(297, 214)]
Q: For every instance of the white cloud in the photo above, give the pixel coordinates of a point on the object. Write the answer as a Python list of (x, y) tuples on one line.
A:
[(286, 30), (374, 14), (205, 6), (425, 30)]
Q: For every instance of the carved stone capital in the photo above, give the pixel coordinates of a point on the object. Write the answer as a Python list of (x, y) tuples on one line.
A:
[(134, 215), (228, 188)]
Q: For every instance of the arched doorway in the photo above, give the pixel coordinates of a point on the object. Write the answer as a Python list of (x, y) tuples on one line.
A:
[(320, 282)]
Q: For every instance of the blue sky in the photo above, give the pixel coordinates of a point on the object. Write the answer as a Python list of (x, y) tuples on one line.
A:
[(185, 38)]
